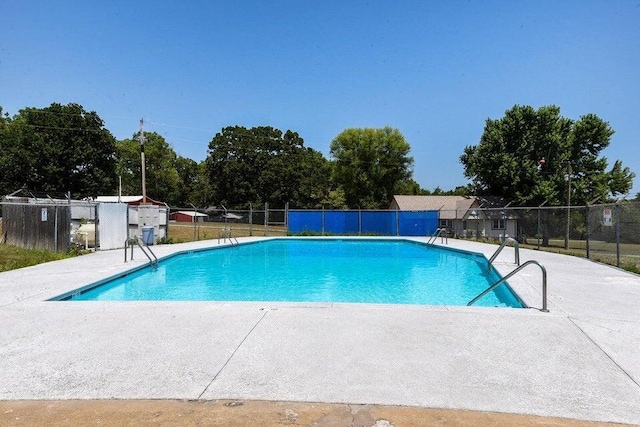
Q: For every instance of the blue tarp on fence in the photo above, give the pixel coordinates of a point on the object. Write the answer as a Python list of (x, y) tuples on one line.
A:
[(386, 223), (305, 221), (422, 223), (379, 222), (341, 222)]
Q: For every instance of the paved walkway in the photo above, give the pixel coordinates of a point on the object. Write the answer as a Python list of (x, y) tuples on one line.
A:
[(581, 360)]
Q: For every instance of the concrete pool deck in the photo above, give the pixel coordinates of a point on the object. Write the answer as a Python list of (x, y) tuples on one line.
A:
[(579, 361)]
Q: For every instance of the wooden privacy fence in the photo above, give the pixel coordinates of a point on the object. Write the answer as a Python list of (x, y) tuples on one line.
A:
[(37, 226)]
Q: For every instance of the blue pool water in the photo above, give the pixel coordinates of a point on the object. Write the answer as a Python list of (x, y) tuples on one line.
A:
[(320, 270)]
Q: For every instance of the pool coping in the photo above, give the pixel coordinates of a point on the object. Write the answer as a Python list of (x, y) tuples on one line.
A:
[(69, 295), (587, 346)]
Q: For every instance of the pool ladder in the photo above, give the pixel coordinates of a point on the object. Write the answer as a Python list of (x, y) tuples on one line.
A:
[(514, 272), (153, 260), (438, 233), (225, 234)]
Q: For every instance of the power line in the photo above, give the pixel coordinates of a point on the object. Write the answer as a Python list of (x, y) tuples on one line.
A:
[(102, 129), (181, 127), (84, 113), (63, 128), (189, 140), (60, 113)]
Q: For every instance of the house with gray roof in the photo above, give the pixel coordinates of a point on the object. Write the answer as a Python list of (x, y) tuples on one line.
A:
[(465, 216)]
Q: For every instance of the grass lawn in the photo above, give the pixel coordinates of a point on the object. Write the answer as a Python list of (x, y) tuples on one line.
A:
[(180, 232), (604, 252), (12, 257)]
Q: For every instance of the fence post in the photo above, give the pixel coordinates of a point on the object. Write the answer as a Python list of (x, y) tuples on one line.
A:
[(96, 227), (193, 219), (250, 220), (286, 219), (617, 235), (55, 228), (587, 227), (126, 224), (166, 227), (67, 242), (397, 223), (539, 229), (359, 221), (322, 222), (266, 218)]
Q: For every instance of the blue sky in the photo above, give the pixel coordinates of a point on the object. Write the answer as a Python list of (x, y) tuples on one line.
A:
[(436, 70)]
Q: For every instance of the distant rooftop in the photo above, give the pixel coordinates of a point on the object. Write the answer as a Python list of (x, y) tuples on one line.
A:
[(450, 207)]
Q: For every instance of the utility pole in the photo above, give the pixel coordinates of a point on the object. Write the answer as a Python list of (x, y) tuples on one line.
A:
[(144, 184)]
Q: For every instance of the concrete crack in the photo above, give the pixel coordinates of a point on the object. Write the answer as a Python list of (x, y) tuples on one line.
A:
[(232, 354), (605, 353)]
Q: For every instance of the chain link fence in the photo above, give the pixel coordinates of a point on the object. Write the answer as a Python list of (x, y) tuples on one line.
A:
[(189, 224), (613, 232), (608, 233), (64, 225)]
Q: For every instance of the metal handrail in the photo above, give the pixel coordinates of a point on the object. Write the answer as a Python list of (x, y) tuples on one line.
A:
[(496, 253), (155, 258), (438, 233), (499, 282), (225, 234), (136, 239)]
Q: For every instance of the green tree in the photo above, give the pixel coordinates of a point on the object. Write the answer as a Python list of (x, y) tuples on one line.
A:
[(162, 179), (315, 180), (535, 156), (194, 186), (409, 187), (263, 165), (461, 190), (371, 165), (528, 155), (57, 149), (334, 199)]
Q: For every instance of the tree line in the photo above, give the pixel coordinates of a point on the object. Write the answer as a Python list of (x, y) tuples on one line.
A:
[(523, 157), (64, 148)]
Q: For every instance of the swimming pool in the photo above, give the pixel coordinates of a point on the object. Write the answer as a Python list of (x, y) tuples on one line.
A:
[(313, 270)]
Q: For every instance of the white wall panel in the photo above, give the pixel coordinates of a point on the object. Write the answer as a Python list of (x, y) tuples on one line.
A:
[(112, 225)]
